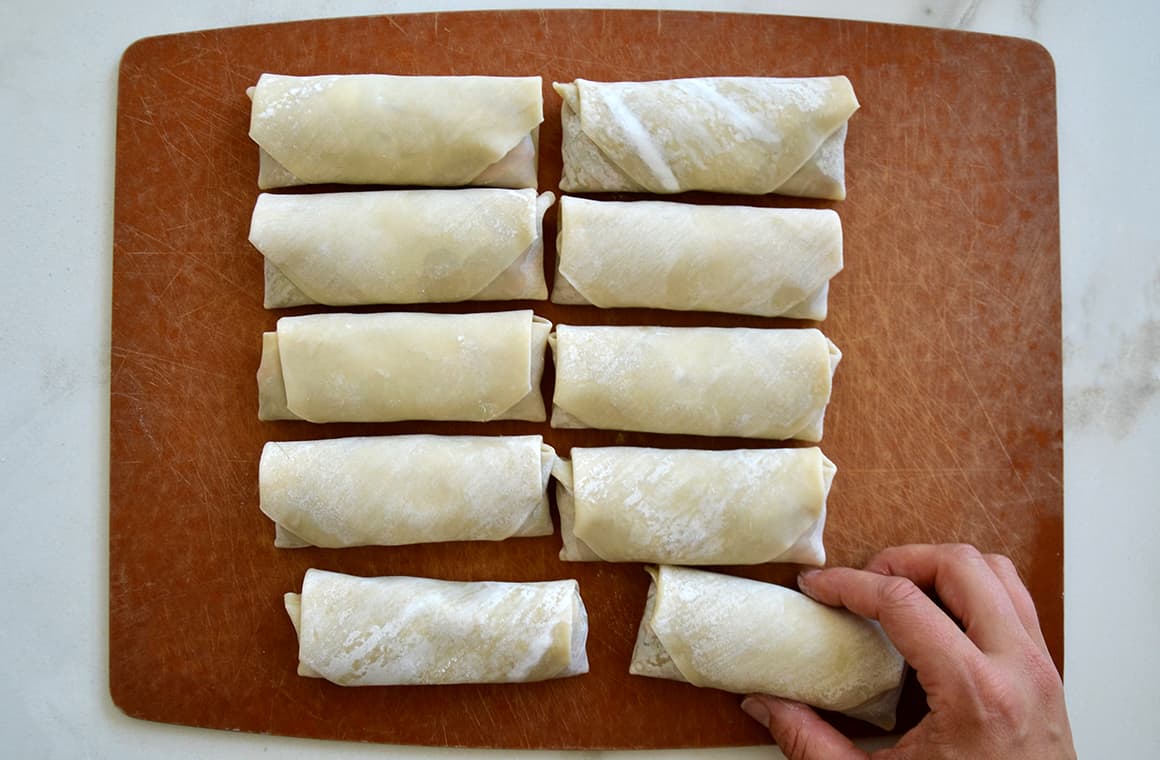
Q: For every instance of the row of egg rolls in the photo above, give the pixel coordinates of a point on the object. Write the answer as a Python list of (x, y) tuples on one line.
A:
[(750, 135), (703, 628), (748, 382), (480, 244)]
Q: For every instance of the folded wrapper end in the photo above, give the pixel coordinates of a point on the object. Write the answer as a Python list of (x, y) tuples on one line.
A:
[(539, 522), (563, 291), (272, 403), (518, 168), (882, 710), (572, 548), (549, 461), (285, 539), (586, 169), (579, 652), (824, 175), (649, 657), (524, 279), (561, 418), (531, 407), (544, 201), (293, 604), (815, 306), (810, 549), (272, 175), (813, 429), (835, 356), (279, 291)]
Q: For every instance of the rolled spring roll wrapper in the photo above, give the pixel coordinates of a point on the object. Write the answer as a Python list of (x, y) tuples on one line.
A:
[(752, 383), (396, 130), (747, 135), (404, 366), (401, 246), (400, 630), (405, 489), (764, 261), (692, 507), (743, 636)]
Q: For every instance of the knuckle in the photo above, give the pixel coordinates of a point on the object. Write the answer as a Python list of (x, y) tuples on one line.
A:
[(1012, 696), (1041, 670), (1001, 563), (898, 592), (964, 553), (999, 695)]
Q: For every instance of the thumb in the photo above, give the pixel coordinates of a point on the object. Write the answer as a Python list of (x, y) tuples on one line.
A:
[(799, 732)]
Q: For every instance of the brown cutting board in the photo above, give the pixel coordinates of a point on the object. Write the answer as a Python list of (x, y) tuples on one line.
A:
[(945, 424)]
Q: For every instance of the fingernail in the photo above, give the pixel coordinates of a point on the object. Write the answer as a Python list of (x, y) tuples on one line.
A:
[(805, 575), (756, 709)]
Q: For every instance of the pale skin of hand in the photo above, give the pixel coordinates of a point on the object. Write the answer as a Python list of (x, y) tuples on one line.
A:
[(990, 683)]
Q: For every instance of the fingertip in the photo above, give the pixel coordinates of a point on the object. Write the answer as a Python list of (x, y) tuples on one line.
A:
[(769, 710), (800, 733), (755, 708), (824, 586), (805, 577)]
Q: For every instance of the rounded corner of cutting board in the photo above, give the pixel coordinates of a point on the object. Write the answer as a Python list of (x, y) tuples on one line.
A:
[(141, 51)]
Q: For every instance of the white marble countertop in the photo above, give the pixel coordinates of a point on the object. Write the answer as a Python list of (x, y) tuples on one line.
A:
[(58, 70)]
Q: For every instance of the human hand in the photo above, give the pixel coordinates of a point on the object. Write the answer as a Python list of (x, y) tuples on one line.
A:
[(992, 688)]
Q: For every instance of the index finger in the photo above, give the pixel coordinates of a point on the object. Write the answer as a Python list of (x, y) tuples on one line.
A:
[(923, 634)]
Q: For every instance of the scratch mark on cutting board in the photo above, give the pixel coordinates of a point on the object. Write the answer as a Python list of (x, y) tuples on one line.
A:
[(176, 275), (986, 415), (162, 246), (995, 528), (244, 288), (925, 411), (696, 54), (200, 307), (989, 286), (172, 148), (905, 476), (138, 120), (151, 357), (197, 87)]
